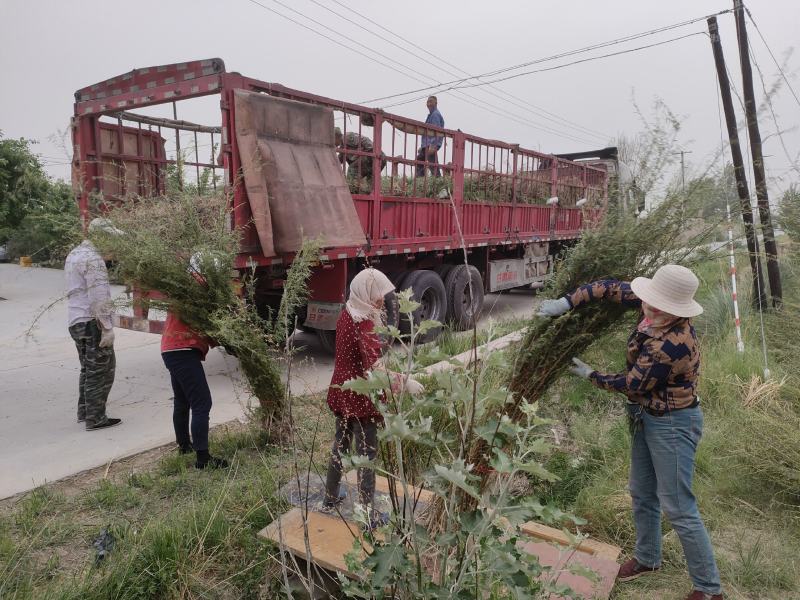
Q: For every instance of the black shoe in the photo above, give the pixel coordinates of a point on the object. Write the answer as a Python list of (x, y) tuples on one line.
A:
[(329, 506), (185, 449), (103, 424), (206, 461), (376, 521)]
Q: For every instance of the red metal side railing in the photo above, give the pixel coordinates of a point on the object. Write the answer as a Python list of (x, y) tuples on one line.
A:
[(500, 191)]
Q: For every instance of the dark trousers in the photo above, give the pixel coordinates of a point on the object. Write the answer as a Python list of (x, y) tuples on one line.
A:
[(429, 157), (364, 433), (98, 366), (190, 388)]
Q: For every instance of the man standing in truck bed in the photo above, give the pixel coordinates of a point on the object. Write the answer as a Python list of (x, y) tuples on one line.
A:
[(429, 148)]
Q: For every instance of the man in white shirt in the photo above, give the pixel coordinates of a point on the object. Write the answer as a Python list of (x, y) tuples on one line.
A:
[(89, 314)]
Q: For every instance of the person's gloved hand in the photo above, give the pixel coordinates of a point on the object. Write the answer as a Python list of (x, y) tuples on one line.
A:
[(403, 383), (580, 368), (106, 338), (553, 308), (412, 386)]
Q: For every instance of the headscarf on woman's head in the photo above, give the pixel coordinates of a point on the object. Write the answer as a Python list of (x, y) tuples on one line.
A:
[(366, 289)]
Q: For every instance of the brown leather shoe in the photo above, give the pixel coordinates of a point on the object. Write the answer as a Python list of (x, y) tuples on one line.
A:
[(632, 569), (698, 595)]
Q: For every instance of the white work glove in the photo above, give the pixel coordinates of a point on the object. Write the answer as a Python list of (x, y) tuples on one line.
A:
[(410, 385), (106, 337), (414, 387), (553, 308), (580, 368)]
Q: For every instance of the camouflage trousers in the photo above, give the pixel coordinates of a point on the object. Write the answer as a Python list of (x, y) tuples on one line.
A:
[(98, 366), (361, 166)]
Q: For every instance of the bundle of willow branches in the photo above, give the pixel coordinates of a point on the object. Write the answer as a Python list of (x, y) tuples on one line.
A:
[(160, 237), (622, 248)]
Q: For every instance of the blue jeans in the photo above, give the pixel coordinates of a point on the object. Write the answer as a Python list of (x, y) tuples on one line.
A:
[(662, 467)]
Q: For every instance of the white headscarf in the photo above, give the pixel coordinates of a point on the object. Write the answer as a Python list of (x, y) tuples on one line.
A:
[(367, 288)]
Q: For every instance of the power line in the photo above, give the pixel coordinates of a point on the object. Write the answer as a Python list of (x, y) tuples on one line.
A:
[(562, 66), (768, 100), (590, 59), (515, 100), (516, 118), (329, 38), (563, 54), (775, 60)]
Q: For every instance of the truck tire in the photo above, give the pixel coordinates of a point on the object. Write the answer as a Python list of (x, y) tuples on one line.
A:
[(399, 280), (443, 270), (392, 307), (463, 307), (427, 289)]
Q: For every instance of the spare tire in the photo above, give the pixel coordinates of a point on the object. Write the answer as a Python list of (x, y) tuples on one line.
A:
[(464, 300), (427, 288)]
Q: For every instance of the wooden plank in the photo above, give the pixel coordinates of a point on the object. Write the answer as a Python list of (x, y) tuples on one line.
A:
[(382, 487), (561, 560), (550, 534), (329, 538)]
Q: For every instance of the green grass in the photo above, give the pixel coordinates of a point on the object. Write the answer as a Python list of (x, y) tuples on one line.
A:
[(183, 533), (180, 533)]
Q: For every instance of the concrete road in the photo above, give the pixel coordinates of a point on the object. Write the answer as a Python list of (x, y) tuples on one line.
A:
[(40, 439)]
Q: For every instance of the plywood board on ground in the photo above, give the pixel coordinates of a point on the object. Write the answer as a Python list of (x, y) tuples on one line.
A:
[(565, 565), (550, 534), (330, 537)]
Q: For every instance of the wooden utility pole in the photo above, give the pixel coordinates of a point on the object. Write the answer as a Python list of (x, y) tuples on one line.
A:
[(683, 168), (751, 110), (759, 294)]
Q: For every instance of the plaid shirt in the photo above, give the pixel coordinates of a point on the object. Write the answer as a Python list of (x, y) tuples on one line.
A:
[(662, 363)]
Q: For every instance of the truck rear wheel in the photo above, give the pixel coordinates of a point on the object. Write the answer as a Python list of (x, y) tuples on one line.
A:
[(427, 289), (392, 307), (464, 287), (443, 270)]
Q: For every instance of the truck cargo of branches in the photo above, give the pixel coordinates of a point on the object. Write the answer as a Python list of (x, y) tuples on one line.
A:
[(271, 150)]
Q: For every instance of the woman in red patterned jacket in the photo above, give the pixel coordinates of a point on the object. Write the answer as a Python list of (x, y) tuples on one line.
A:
[(358, 351)]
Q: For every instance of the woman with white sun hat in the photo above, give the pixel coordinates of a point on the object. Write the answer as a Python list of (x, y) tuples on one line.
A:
[(660, 382)]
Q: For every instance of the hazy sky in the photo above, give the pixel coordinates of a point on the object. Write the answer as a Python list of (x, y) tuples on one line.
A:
[(50, 48)]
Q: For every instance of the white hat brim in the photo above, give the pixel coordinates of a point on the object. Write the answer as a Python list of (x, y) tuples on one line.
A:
[(642, 287)]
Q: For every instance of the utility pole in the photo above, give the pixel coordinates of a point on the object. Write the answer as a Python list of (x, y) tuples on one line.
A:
[(759, 294), (770, 247), (683, 169)]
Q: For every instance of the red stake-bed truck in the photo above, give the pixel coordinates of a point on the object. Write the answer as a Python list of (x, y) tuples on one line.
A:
[(273, 151)]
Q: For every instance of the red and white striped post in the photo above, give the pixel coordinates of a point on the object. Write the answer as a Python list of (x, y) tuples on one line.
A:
[(737, 321)]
